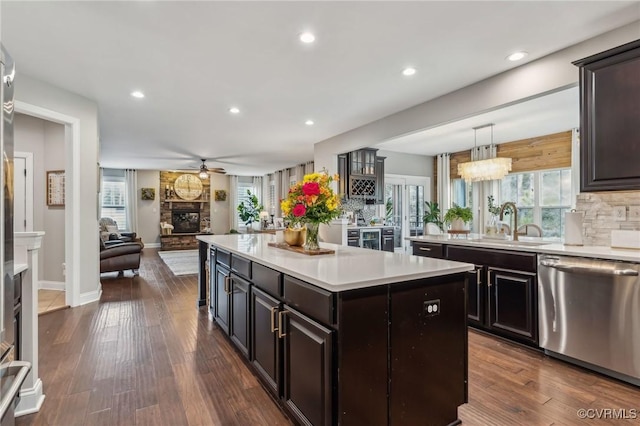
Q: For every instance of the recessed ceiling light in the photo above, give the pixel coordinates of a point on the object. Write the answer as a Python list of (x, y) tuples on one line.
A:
[(309, 123), (408, 71), (137, 94), (307, 37), (234, 110), (517, 56)]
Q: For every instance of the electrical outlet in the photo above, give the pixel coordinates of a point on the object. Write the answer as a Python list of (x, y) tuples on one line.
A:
[(620, 213), (431, 307), (634, 213)]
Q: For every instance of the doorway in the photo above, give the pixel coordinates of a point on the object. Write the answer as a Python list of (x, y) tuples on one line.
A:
[(23, 191), (404, 207)]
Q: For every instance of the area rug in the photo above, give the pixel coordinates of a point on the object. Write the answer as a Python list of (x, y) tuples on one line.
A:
[(181, 262)]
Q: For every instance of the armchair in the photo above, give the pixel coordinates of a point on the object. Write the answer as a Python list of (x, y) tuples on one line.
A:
[(119, 257), (109, 231)]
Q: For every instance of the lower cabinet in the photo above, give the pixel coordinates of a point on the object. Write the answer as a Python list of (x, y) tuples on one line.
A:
[(265, 343), (239, 313), (501, 291), (220, 294), (387, 239), (308, 367), (293, 355), (513, 305)]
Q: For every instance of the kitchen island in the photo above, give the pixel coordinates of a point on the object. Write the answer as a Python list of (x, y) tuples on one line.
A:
[(353, 337)]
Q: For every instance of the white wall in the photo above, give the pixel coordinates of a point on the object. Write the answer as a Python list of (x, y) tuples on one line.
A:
[(219, 209), (149, 210), (399, 163), (81, 209), (551, 73), (46, 141)]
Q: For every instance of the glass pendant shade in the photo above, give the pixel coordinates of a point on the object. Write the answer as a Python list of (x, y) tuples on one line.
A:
[(490, 169)]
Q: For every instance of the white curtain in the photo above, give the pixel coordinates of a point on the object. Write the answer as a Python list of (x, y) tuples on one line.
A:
[(131, 191), (575, 166), (285, 184), (308, 168), (257, 185), (300, 172), (233, 202), (444, 182), (265, 193)]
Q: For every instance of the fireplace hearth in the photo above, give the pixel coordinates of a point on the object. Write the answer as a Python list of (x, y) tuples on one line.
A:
[(185, 221)]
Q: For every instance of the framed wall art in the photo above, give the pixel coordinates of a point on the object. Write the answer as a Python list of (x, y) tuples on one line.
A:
[(147, 193), (55, 188), (220, 195)]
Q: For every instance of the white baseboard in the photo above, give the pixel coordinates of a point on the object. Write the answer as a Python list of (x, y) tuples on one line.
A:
[(30, 400), (92, 296), (52, 285), (152, 245)]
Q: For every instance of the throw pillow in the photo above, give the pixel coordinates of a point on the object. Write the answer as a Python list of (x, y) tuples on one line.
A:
[(112, 229)]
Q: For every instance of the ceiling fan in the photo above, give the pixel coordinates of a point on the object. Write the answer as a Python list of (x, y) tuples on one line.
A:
[(204, 170)]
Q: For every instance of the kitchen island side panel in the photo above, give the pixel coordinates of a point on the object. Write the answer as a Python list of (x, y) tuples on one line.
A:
[(428, 351), (363, 318)]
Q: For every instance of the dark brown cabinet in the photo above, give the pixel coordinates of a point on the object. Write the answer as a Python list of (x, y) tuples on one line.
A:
[(308, 367), (380, 180), (609, 125), (221, 297), (362, 176), (388, 239), (353, 237), (265, 347), (513, 304), (239, 312), (501, 291)]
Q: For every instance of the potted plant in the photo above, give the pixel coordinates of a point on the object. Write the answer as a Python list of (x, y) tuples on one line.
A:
[(458, 217), (249, 211), (433, 215)]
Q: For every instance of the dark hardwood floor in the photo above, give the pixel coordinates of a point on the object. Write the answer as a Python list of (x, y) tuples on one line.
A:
[(144, 355)]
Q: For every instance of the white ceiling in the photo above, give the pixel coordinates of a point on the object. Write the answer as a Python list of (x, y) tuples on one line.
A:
[(194, 60)]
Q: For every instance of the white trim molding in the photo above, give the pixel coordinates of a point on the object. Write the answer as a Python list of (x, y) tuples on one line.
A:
[(31, 399), (51, 285), (90, 297)]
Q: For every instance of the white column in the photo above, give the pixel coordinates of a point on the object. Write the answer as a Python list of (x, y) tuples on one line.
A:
[(26, 245)]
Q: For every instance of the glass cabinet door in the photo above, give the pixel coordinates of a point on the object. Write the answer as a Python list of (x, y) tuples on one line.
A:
[(370, 238)]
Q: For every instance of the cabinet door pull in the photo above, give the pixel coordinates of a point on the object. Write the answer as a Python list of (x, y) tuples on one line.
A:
[(281, 315), (489, 278), (273, 319), (227, 284), (425, 249)]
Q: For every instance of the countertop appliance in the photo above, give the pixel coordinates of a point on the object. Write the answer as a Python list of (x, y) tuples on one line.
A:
[(12, 373), (589, 313)]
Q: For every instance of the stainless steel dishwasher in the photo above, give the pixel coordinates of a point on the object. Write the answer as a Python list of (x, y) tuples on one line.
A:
[(589, 313)]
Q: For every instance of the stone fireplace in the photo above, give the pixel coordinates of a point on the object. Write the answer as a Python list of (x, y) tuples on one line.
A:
[(185, 221)]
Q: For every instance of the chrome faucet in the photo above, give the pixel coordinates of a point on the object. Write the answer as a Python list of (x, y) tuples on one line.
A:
[(514, 211)]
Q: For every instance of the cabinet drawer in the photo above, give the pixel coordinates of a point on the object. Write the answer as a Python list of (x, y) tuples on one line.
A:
[(241, 266), (223, 257), (267, 279), (498, 258), (428, 249), (387, 231), (310, 300), (353, 233)]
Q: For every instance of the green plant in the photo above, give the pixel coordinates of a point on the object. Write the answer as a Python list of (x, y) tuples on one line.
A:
[(433, 214), (456, 212), (495, 209), (388, 210), (249, 211)]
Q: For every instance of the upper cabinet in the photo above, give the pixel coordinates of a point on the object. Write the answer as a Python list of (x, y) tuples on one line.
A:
[(610, 119), (362, 176)]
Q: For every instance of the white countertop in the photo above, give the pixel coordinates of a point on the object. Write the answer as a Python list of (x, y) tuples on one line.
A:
[(348, 268), (548, 246), (19, 267)]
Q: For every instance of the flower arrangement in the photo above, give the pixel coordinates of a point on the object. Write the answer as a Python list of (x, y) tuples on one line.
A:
[(312, 202)]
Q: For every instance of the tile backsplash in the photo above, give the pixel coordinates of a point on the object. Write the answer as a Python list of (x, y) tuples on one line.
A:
[(599, 219)]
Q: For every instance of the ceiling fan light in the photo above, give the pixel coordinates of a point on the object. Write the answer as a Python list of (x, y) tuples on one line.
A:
[(480, 170), (203, 174)]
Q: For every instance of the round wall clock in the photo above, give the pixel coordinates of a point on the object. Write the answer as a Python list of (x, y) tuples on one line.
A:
[(188, 187)]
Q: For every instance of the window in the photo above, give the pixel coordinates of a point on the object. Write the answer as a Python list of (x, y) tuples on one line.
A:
[(272, 197), (541, 197), (461, 193), (243, 186), (114, 200), (416, 209)]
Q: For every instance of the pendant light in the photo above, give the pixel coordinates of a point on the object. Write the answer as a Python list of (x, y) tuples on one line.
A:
[(481, 170)]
